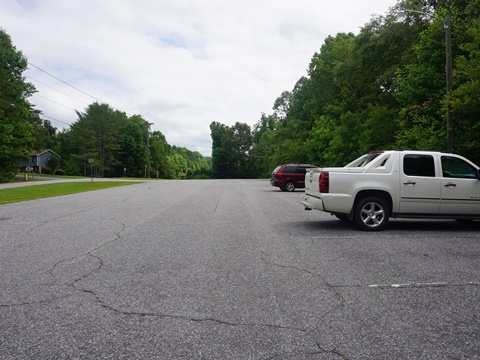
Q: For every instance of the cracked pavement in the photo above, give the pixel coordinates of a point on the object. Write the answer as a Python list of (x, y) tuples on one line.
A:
[(229, 269)]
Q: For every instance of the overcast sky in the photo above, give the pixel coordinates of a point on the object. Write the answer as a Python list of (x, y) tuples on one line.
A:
[(181, 64)]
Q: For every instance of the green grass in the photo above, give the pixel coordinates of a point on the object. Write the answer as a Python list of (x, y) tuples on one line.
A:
[(34, 192)]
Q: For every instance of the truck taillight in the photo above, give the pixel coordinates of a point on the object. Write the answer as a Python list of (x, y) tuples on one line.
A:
[(324, 183)]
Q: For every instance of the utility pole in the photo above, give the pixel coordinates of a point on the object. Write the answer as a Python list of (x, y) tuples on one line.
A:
[(449, 68)]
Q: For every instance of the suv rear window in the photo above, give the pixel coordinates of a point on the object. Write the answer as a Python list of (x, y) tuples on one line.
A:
[(276, 169), (290, 169)]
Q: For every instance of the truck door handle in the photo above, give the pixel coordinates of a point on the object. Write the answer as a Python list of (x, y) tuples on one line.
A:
[(449, 184), (409, 182)]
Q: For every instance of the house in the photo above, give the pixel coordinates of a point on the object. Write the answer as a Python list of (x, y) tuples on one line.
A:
[(37, 161)]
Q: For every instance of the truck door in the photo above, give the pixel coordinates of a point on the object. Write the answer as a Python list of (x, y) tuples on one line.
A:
[(460, 187), (420, 188)]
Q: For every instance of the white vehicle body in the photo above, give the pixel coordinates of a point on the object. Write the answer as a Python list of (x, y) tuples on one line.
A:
[(380, 185)]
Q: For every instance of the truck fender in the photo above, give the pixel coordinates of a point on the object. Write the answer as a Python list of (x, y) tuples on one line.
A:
[(384, 195)]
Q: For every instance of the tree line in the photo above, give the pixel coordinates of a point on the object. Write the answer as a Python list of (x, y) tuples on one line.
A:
[(384, 88), (118, 144)]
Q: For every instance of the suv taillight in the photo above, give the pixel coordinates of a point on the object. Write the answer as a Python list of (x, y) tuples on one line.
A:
[(324, 183)]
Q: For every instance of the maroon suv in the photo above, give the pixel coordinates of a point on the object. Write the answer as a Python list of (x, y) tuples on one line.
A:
[(289, 177)]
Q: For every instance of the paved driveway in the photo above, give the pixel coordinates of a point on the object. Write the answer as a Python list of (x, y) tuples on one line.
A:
[(229, 269)]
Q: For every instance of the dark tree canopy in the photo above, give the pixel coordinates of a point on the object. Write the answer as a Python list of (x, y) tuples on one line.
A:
[(18, 119)]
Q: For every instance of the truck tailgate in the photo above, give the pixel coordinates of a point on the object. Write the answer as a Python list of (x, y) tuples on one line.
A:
[(311, 180)]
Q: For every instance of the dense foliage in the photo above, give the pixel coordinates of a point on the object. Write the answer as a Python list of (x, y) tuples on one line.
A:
[(18, 119), (381, 89), (123, 146)]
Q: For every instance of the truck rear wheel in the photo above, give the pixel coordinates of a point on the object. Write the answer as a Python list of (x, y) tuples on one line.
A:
[(371, 214)]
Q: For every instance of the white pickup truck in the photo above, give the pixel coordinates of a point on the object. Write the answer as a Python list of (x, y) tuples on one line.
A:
[(397, 183)]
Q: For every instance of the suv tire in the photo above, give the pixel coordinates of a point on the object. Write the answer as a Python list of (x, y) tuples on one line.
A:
[(290, 186)]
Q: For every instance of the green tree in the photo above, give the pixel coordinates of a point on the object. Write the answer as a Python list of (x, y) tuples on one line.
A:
[(465, 97), (240, 145), (159, 150), (53, 163), (17, 116), (421, 82), (231, 150), (98, 134), (221, 159), (134, 147), (421, 85), (177, 164), (45, 136), (263, 155)]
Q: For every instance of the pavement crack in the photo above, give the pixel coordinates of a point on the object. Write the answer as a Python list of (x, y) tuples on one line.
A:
[(333, 288), (28, 303), (216, 205), (74, 213), (332, 352), (223, 322), (87, 274), (99, 301), (64, 274), (268, 262)]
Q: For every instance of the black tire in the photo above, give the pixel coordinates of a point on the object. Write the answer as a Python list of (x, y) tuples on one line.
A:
[(283, 189), (290, 186), (371, 214)]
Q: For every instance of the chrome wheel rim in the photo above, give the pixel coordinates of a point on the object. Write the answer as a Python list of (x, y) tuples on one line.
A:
[(372, 214)]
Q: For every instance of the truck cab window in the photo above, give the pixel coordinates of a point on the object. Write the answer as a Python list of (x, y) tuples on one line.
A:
[(457, 168), (419, 165)]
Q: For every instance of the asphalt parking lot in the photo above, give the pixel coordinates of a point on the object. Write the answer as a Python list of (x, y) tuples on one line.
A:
[(230, 269)]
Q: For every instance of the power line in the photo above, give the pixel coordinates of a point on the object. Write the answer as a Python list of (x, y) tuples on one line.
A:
[(83, 92), (63, 122), (41, 114), (53, 101), (66, 83), (61, 92), (43, 97)]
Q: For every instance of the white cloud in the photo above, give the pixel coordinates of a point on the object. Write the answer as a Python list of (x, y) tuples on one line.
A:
[(180, 64)]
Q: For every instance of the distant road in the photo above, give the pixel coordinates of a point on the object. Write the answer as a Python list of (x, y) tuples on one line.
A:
[(229, 269)]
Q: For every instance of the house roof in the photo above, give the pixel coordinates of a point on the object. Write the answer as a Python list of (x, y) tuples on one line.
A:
[(41, 152)]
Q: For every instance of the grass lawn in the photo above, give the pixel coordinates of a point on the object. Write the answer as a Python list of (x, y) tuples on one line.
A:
[(33, 192)]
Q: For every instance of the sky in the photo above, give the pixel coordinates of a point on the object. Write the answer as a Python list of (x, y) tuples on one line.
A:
[(180, 64)]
